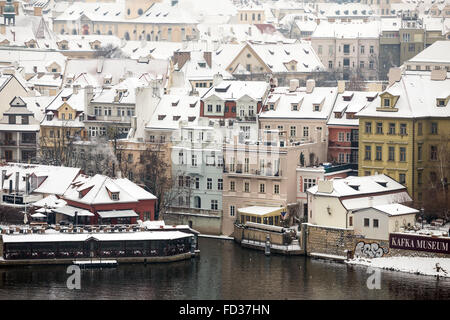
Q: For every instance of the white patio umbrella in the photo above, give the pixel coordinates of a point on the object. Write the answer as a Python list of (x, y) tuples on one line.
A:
[(38, 215), (44, 210), (25, 218)]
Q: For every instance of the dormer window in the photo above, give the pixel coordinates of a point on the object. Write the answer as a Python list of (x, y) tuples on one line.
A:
[(386, 102), (115, 196), (49, 117), (338, 115), (294, 107), (441, 102), (80, 194), (161, 116), (354, 186), (316, 107)]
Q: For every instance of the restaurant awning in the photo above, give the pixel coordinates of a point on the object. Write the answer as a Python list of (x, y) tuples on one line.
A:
[(259, 211), (70, 211), (117, 214)]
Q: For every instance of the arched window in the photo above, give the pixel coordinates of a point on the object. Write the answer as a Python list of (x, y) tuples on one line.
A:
[(149, 38), (62, 31), (74, 31), (127, 36), (110, 32), (140, 11), (197, 202), (128, 11), (98, 31)]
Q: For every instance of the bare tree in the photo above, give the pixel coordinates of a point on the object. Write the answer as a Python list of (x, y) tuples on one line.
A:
[(110, 51), (436, 203)]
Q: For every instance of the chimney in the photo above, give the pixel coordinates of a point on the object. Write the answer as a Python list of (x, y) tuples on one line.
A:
[(325, 186), (293, 85), (88, 94), (180, 58), (75, 88), (217, 79), (17, 182), (310, 85), (394, 75), (341, 86), (37, 11), (207, 56), (438, 75)]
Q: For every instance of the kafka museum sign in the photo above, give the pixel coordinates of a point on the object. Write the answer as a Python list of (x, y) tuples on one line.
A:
[(419, 243)]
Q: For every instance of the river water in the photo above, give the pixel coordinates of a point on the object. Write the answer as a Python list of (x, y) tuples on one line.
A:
[(224, 271)]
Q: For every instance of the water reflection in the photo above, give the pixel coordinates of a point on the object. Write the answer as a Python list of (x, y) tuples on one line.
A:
[(224, 271)]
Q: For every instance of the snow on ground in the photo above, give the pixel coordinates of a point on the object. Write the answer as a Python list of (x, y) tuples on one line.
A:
[(417, 265)]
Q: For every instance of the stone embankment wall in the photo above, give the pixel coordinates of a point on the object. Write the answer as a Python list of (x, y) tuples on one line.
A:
[(327, 240), (252, 234)]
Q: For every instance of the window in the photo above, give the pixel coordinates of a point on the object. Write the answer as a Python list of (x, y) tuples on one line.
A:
[(366, 222), (433, 153), (419, 177), (218, 108), (348, 136), (246, 165), (371, 65), (115, 195), (386, 102), (434, 128), (402, 154), (368, 151), (232, 186), (403, 131), (350, 221), (368, 127), (276, 189), (293, 131), (194, 160), (375, 223), (341, 136), (391, 154), (402, 178), (341, 157), (362, 49), (262, 188), (419, 152), (305, 131), (346, 48), (378, 153), (319, 49), (371, 50), (210, 107), (361, 64), (214, 205), (246, 187), (330, 64), (308, 183), (180, 181), (379, 128), (197, 183), (232, 211), (220, 184), (391, 128), (209, 183)]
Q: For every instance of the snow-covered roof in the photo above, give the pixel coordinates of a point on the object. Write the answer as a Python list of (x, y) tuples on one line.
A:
[(113, 236), (358, 100), (347, 30), (108, 95), (50, 201), (417, 97), (172, 109), (93, 71), (99, 189), (117, 214), (367, 202), (436, 53), (71, 211), (260, 210), (360, 186), (232, 90), (56, 179), (284, 99), (395, 209)]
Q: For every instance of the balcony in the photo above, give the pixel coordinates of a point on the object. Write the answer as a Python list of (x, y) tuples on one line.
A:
[(8, 143), (253, 172), (27, 142)]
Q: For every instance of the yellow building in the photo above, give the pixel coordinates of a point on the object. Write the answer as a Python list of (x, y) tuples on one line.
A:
[(401, 131), (151, 20), (63, 123)]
